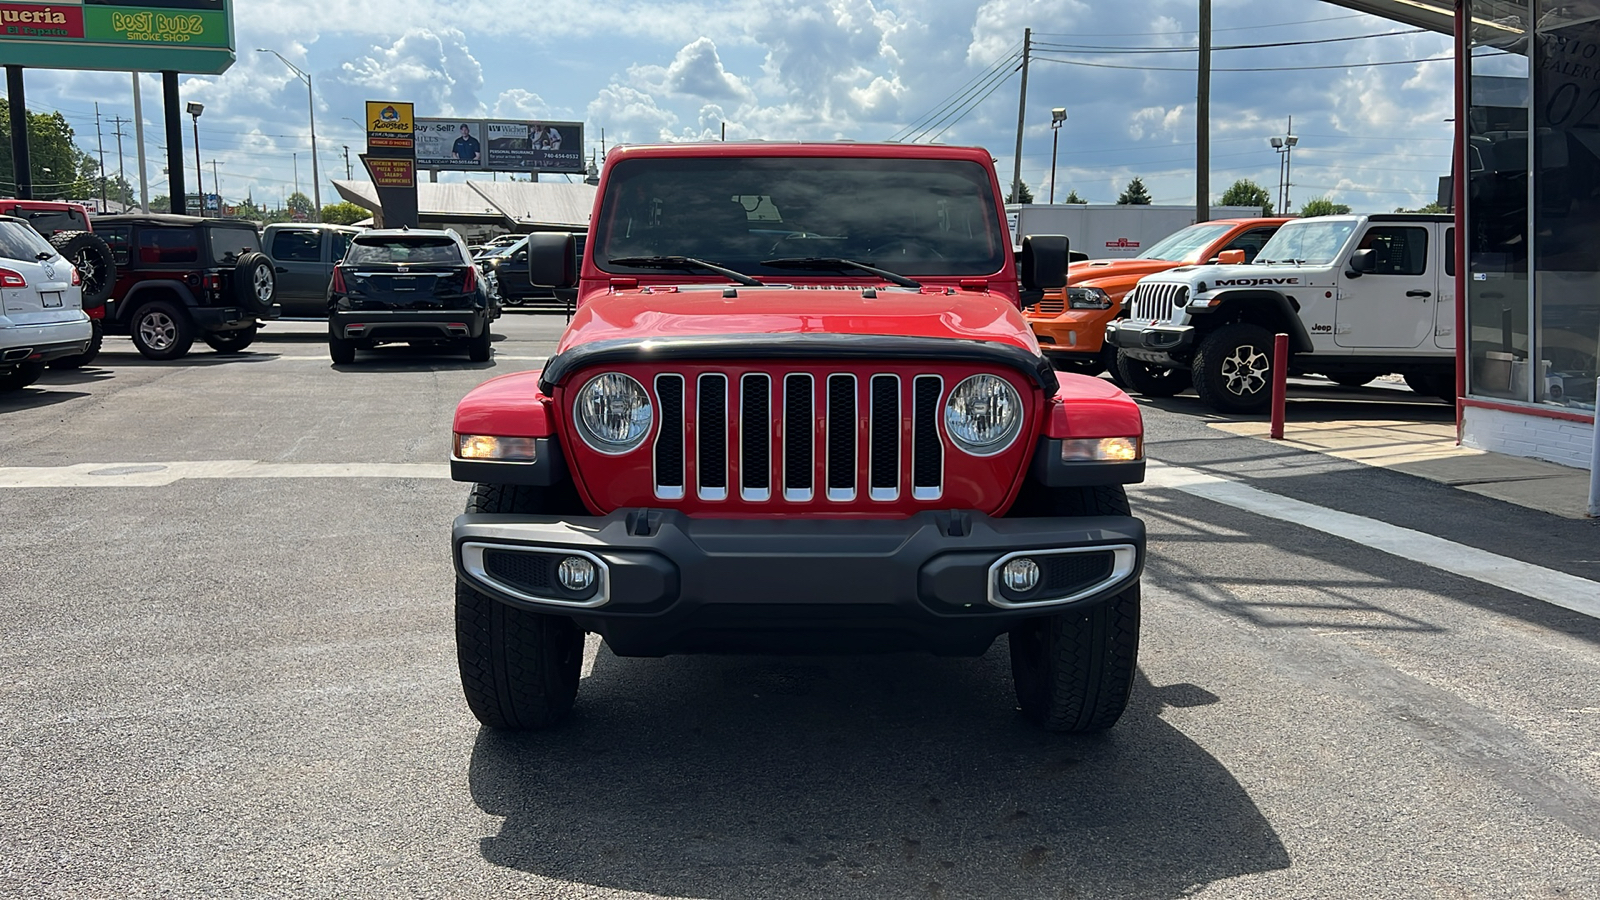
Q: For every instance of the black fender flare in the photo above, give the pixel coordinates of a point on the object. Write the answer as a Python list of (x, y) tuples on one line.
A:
[(1279, 306), (126, 305)]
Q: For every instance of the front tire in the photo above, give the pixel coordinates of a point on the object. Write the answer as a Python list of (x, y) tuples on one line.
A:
[(1433, 385), (1233, 369), (1149, 380), (231, 341), (162, 331), (1073, 672), (519, 669), (20, 377)]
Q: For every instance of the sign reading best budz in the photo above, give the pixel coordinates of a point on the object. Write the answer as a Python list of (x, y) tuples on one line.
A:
[(155, 35)]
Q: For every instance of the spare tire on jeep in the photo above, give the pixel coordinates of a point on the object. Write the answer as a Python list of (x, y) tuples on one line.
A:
[(91, 256), (253, 283)]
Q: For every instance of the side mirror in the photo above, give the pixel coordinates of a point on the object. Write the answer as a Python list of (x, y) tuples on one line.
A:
[(1361, 262), (1043, 262), (1231, 258), (552, 260)]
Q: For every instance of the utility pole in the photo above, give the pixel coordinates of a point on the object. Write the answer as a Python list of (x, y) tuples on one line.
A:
[(1022, 112), (216, 186), (122, 170), (138, 131), (99, 139), (347, 175), (296, 173), (1202, 115)]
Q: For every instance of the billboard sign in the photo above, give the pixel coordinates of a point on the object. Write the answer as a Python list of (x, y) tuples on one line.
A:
[(534, 146), (391, 173), (390, 125), (449, 143), (193, 36)]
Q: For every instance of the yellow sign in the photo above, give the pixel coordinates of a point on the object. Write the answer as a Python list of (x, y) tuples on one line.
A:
[(390, 124)]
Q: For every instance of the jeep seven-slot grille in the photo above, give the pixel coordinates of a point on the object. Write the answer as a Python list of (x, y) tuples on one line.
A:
[(1154, 302), (847, 432)]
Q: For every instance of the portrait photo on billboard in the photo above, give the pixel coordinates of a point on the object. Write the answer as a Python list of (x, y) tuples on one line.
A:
[(534, 146), (449, 143)]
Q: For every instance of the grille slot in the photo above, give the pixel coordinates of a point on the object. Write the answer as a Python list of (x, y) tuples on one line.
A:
[(1068, 573), (1154, 303), (669, 440), (885, 439), (927, 452), (712, 431), (1049, 306), (755, 438), (842, 437), (797, 447), (527, 572)]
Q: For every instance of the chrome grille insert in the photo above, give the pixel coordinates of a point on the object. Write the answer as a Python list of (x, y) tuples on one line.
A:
[(884, 440), (669, 476), (841, 430), (755, 438), (798, 431), (927, 450), (711, 430)]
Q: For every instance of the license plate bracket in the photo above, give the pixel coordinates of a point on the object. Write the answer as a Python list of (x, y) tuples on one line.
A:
[(51, 299)]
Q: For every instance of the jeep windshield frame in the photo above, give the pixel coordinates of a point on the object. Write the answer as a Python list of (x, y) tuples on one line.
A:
[(1307, 242), (921, 217), (1187, 244)]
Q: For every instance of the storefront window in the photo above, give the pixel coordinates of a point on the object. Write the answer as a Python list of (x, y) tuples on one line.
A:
[(1566, 212), (1498, 296)]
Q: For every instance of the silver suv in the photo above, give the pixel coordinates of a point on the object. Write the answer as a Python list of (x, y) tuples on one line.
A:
[(41, 306)]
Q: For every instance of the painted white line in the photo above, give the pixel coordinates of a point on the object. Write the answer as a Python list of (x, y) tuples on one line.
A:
[(1556, 588), (591, 649), (160, 474), (323, 357)]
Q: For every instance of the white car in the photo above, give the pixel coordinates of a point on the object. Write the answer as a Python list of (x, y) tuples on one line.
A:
[(41, 306)]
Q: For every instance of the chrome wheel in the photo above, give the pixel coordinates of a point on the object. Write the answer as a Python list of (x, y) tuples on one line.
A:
[(1245, 370), (158, 331)]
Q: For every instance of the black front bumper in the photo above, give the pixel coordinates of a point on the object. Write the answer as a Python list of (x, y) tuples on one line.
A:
[(1150, 342), (669, 583), (407, 324)]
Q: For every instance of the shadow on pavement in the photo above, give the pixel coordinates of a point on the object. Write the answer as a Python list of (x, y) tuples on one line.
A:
[(33, 398), (901, 776)]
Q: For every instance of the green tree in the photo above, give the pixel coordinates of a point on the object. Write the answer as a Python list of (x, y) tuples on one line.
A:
[(299, 203), (1027, 195), (1072, 197), (1322, 206), (60, 170), (1435, 207), (1245, 192), (1135, 195), (345, 213)]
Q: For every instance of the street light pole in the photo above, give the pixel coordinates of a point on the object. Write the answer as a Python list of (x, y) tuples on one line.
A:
[(311, 104), (1285, 147), (194, 110), (1057, 116)]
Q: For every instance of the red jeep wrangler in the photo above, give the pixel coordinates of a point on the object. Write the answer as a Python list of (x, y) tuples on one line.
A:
[(798, 410)]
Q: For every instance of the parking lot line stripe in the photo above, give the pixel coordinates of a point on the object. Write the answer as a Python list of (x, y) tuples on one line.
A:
[(1579, 595)]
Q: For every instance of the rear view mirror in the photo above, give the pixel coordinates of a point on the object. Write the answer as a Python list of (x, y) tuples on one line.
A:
[(1231, 258), (552, 259), (1361, 262), (1043, 262)]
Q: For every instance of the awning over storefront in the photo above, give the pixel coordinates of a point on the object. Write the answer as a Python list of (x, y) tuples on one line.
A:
[(513, 205), (1434, 15)]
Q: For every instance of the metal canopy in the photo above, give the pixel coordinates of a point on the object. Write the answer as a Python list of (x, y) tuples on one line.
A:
[(1434, 15)]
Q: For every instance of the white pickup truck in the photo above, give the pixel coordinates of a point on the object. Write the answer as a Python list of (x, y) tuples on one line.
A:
[(1359, 297)]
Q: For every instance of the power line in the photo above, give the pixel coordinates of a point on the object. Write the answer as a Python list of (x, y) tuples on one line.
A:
[(1231, 28), (1392, 62), (1102, 49), (930, 120)]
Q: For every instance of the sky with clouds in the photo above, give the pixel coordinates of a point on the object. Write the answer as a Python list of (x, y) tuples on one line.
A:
[(1372, 136)]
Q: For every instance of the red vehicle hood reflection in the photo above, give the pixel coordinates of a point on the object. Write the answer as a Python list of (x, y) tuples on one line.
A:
[(666, 313)]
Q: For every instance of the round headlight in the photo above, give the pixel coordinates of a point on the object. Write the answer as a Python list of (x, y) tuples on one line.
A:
[(613, 413), (983, 415)]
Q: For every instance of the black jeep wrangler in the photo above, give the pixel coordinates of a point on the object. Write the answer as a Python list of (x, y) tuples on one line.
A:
[(182, 278)]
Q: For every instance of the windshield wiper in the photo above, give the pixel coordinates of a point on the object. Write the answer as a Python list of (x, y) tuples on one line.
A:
[(838, 264), (684, 262)]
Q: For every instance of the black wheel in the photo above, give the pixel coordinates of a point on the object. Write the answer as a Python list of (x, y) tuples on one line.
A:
[(254, 285), (519, 669), (1073, 672), (19, 377), (341, 350), (161, 330), (1151, 381), (1233, 369), (83, 359), (1433, 384), (1352, 379), (479, 348), (231, 341), (1108, 359), (91, 256)]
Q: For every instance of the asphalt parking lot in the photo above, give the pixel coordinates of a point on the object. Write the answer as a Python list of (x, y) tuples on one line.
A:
[(229, 671)]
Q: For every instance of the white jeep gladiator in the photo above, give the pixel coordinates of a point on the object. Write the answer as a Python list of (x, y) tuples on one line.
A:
[(1358, 296)]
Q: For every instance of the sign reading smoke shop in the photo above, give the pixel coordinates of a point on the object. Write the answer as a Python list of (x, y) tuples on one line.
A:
[(156, 35)]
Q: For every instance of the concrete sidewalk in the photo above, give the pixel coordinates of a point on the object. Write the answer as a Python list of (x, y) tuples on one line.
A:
[(1429, 450)]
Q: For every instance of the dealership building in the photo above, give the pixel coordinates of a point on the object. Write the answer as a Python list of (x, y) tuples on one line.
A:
[(1527, 215)]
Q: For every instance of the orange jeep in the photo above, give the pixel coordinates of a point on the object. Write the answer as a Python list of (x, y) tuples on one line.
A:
[(1071, 324)]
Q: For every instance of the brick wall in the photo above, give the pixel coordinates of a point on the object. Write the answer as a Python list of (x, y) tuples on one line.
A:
[(1556, 440)]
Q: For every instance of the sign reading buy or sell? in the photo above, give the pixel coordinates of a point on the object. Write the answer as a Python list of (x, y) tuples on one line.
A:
[(156, 35)]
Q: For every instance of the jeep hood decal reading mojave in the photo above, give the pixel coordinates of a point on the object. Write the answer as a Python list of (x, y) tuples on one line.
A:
[(641, 315)]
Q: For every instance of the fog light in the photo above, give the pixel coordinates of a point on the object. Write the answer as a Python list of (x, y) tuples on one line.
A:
[(501, 449), (1117, 449), (576, 574), (1020, 575)]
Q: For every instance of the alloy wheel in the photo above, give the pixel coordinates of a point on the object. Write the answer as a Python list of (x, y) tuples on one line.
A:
[(158, 331), (1245, 370)]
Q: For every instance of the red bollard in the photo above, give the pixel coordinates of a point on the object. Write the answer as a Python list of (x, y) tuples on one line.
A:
[(1280, 382)]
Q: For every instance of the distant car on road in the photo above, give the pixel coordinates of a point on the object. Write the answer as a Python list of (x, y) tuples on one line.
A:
[(41, 306), (303, 257), (408, 285)]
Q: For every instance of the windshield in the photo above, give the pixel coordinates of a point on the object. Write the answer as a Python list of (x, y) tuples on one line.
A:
[(414, 251), (1186, 245), (19, 242), (228, 244), (1315, 242), (913, 216)]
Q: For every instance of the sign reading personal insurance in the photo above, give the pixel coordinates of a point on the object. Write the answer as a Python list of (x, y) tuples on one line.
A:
[(154, 35)]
